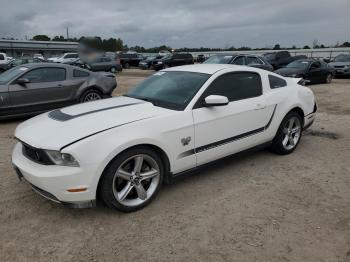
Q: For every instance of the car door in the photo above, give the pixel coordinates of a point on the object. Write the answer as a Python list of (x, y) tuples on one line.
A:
[(224, 130), (314, 72), (46, 86)]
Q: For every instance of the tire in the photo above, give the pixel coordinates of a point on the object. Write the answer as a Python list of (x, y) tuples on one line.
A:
[(126, 66), (288, 135), (90, 95), (165, 66), (113, 70), (122, 190), (329, 78)]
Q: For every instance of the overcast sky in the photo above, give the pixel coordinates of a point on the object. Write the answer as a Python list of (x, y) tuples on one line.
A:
[(180, 23)]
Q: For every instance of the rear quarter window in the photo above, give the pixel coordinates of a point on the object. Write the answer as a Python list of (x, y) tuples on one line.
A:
[(276, 82), (80, 73)]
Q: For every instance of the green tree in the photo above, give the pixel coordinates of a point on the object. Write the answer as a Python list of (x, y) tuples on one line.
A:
[(277, 47), (41, 38)]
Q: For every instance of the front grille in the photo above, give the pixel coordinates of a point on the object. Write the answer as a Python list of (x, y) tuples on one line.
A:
[(339, 66), (37, 155)]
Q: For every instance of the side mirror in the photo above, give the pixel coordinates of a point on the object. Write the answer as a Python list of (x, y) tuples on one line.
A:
[(215, 100), (23, 81)]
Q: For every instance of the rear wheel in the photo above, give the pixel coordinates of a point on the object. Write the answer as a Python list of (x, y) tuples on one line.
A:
[(288, 134), (132, 180), (90, 95), (329, 78), (113, 70)]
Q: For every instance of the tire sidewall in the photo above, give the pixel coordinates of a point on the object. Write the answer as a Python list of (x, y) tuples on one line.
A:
[(105, 185), (277, 145), (83, 96)]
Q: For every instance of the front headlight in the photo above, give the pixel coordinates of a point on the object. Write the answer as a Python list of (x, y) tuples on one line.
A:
[(160, 62), (62, 159), (293, 75)]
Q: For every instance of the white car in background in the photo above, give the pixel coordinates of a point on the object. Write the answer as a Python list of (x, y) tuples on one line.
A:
[(66, 58), (121, 149), (4, 59)]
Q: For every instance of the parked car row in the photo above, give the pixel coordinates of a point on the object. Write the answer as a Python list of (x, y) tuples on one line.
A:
[(240, 59)]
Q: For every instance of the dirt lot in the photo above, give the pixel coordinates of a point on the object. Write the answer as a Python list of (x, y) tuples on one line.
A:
[(260, 207)]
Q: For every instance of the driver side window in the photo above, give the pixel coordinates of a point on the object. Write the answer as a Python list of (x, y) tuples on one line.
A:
[(235, 86), (41, 75)]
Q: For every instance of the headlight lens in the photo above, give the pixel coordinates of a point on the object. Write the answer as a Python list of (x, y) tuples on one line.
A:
[(293, 75), (160, 62), (62, 159)]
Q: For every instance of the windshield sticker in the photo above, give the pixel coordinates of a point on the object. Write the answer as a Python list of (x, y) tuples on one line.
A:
[(23, 68), (159, 73), (227, 56), (305, 62)]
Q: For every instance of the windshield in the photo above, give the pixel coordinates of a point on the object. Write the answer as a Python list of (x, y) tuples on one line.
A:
[(11, 73), (218, 59), (300, 64), (342, 58), (173, 90)]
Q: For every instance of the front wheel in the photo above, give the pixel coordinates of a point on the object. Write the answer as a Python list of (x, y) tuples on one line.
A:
[(288, 134), (132, 180)]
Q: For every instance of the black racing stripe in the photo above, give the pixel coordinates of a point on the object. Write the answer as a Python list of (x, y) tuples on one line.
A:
[(186, 153), (75, 141), (60, 116), (273, 113), (227, 140)]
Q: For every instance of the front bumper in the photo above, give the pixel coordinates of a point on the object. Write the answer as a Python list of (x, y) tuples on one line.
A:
[(53, 182)]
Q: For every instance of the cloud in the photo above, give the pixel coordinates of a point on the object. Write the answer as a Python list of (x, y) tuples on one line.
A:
[(182, 23)]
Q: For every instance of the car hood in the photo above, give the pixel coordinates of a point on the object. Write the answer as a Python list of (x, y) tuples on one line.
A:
[(59, 128), (339, 63), (289, 71)]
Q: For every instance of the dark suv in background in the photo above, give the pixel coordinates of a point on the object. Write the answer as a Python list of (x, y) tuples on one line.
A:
[(240, 59), (130, 59), (281, 58), (176, 59)]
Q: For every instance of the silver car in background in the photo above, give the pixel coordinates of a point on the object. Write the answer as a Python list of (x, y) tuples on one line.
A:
[(35, 88)]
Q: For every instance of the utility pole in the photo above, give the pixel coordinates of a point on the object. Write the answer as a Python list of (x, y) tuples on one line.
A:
[(67, 32)]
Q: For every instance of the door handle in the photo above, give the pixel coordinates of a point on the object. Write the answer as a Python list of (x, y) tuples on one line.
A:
[(59, 85), (259, 106)]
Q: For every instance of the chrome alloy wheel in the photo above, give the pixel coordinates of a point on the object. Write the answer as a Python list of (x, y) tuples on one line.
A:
[(291, 133), (92, 96), (136, 180)]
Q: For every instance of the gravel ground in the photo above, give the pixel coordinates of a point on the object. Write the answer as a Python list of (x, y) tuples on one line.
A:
[(257, 207)]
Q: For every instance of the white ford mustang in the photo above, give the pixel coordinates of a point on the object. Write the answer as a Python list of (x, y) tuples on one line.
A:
[(121, 149)]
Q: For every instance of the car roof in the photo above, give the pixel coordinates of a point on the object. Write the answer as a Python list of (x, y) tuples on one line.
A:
[(211, 68), (36, 65)]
